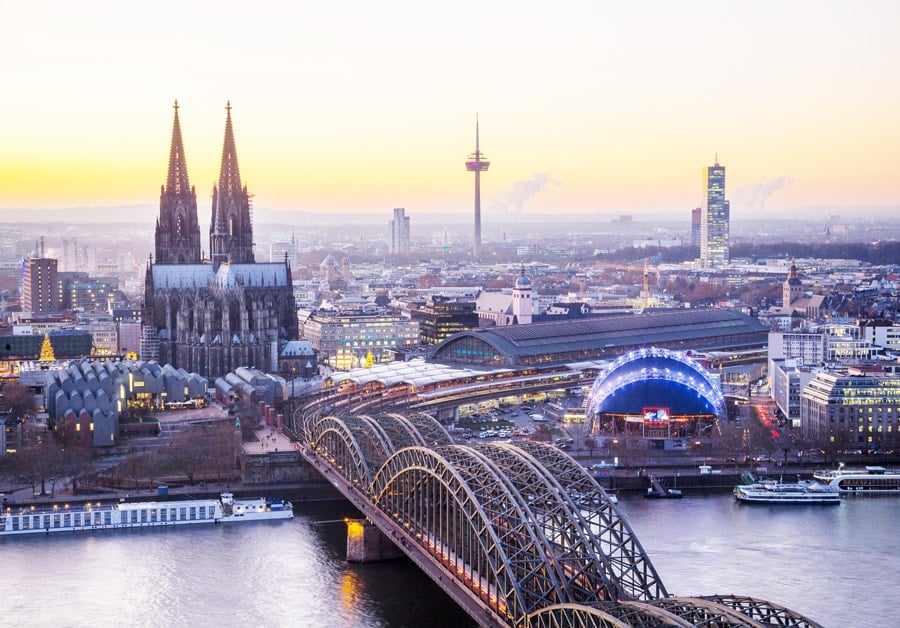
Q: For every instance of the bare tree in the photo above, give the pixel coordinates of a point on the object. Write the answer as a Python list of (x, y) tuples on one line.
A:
[(836, 444), (76, 463), (150, 463), (222, 450), (39, 460), (205, 449), (578, 432), (131, 465), (17, 400)]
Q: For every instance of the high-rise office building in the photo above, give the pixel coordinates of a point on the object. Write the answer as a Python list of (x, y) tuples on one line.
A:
[(281, 248), (695, 226), (40, 285), (714, 220), (399, 232)]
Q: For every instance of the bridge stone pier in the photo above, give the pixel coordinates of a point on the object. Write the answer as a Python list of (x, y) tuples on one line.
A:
[(366, 543)]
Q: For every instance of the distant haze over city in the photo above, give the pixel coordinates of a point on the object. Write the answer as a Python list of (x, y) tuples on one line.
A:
[(584, 108), (146, 215)]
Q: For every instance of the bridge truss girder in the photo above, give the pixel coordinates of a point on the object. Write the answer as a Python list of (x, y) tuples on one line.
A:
[(352, 445), (632, 570), (495, 517), (456, 506), (684, 612), (762, 611), (587, 573)]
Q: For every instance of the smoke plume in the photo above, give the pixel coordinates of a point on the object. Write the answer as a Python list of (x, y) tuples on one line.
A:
[(753, 197), (514, 197)]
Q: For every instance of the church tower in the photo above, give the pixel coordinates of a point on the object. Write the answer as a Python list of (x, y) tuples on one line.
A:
[(231, 228), (177, 229), (522, 307), (792, 288)]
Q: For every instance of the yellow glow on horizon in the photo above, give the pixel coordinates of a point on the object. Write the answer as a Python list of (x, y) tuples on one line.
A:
[(623, 106)]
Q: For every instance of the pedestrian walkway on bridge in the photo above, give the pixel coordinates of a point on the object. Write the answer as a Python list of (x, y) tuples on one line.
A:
[(269, 440)]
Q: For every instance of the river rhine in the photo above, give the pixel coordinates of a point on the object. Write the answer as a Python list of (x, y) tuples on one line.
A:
[(838, 565)]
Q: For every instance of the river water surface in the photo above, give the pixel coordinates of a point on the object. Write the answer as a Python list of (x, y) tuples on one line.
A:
[(839, 565)]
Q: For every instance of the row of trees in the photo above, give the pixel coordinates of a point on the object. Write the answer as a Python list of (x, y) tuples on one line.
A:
[(200, 452), (41, 459), (49, 460)]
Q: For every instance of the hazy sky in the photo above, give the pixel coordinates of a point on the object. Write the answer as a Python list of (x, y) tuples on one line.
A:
[(609, 107)]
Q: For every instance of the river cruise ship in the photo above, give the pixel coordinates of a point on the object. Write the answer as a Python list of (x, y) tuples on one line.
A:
[(774, 492), (868, 481), (124, 514)]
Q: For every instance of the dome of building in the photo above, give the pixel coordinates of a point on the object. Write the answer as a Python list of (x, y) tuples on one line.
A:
[(523, 282), (655, 378), (793, 277)]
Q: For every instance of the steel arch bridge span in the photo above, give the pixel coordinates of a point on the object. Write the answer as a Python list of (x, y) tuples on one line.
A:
[(495, 516), (684, 612), (356, 446), (460, 508), (634, 574), (523, 529), (655, 377)]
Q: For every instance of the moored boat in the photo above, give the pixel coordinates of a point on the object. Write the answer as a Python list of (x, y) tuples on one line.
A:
[(656, 490), (126, 514), (776, 492), (254, 509), (868, 481)]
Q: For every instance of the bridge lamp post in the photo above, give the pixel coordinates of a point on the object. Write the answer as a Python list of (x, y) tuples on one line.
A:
[(704, 451), (624, 444)]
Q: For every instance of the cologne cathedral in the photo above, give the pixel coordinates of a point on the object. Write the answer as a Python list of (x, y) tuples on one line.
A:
[(211, 316)]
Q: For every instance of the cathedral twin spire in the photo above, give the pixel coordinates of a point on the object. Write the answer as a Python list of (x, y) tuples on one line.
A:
[(177, 181), (177, 229)]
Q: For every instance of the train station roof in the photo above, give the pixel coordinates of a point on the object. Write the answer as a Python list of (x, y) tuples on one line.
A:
[(604, 337), (417, 372)]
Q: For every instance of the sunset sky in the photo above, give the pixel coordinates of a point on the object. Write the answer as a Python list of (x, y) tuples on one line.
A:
[(604, 107)]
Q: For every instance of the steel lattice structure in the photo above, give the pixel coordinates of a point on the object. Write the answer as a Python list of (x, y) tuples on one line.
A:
[(522, 526)]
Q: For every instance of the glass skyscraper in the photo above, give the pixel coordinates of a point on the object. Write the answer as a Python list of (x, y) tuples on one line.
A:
[(714, 221)]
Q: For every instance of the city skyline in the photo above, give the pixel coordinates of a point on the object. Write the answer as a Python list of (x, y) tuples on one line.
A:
[(583, 108)]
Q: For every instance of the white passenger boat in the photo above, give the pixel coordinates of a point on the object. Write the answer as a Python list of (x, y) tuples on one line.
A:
[(124, 514), (774, 492), (868, 481), (254, 509)]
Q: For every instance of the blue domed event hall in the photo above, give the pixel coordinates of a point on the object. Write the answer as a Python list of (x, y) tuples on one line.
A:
[(656, 393)]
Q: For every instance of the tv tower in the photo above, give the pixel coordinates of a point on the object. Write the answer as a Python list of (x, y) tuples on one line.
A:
[(476, 163)]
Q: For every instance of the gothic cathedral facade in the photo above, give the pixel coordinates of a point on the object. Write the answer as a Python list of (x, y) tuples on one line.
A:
[(211, 316)]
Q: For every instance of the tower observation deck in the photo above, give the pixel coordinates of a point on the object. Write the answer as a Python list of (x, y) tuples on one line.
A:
[(477, 163)]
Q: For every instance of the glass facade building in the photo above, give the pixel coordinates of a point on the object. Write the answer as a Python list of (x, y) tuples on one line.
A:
[(715, 220), (865, 410), (441, 317), (345, 341)]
